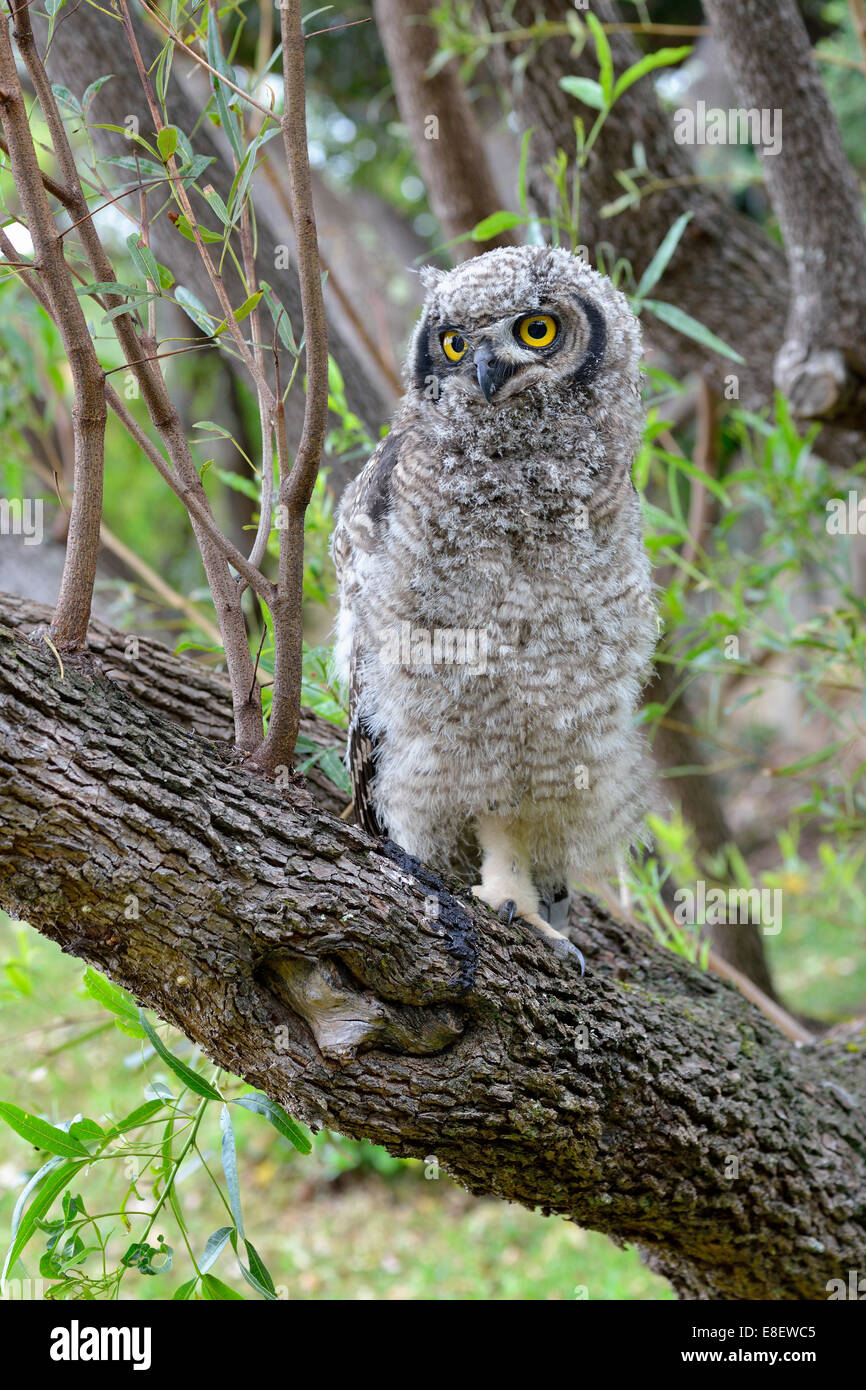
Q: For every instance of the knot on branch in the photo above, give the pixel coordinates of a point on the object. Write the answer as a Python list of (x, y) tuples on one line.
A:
[(345, 1018), (821, 384)]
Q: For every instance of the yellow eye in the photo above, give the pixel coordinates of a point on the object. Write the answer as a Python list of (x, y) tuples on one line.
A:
[(455, 346), (539, 330)]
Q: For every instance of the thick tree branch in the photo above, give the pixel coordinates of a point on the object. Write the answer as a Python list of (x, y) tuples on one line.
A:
[(186, 692), (821, 365), (647, 1100)]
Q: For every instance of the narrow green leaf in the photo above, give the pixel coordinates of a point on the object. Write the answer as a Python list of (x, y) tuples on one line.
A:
[(166, 142), (184, 226), (143, 258), (217, 61), (90, 92), (282, 322), (216, 1242), (163, 72), (690, 328), (41, 1134), (120, 309), (259, 1270), (51, 1186), (605, 60), (86, 1130), (114, 999), (238, 191), (584, 89), (497, 222), (186, 1074), (618, 205), (521, 172), (213, 200), (140, 1116), (229, 1154), (65, 97), (663, 57), (659, 262), (184, 1292), (193, 307), (243, 312), (107, 287), (261, 1104), (812, 760), (215, 1291)]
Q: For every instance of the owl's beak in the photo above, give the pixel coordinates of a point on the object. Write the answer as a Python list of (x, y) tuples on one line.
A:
[(492, 373)]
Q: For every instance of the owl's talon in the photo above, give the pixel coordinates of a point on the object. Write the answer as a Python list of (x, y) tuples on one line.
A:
[(567, 949), (561, 945), (505, 912)]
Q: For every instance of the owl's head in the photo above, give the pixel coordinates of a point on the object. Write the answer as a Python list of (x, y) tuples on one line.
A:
[(521, 324)]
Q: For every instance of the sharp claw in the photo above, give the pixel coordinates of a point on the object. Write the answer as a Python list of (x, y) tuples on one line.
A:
[(506, 911), (562, 945), (568, 948)]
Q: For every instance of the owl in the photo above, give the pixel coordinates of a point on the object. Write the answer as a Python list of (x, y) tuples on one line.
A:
[(496, 608)]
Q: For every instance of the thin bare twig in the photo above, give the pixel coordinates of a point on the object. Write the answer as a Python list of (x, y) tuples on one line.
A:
[(296, 485), (215, 548), (72, 612)]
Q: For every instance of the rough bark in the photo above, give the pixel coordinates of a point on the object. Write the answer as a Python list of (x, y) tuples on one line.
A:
[(352, 986), (821, 364), (451, 155), (185, 692)]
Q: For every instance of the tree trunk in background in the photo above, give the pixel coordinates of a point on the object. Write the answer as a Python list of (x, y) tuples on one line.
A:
[(725, 272), (449, 148), (647, 1100), (821, 362)]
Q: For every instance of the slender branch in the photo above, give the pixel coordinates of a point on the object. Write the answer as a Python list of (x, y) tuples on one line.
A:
[(72, 613), (189, 212), (296, 486), (266, 400), (178, 482), (248, 716)]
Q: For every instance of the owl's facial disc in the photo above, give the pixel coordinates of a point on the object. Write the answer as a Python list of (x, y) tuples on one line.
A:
[(484, 360), (500, 352)]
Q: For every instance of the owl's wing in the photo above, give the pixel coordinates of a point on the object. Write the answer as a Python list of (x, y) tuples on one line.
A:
[(359, 532), (361, 758)]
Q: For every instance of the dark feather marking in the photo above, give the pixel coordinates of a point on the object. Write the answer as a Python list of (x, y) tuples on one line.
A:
[(361, 758), (377, 495), (597, 342), (422, 367)]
